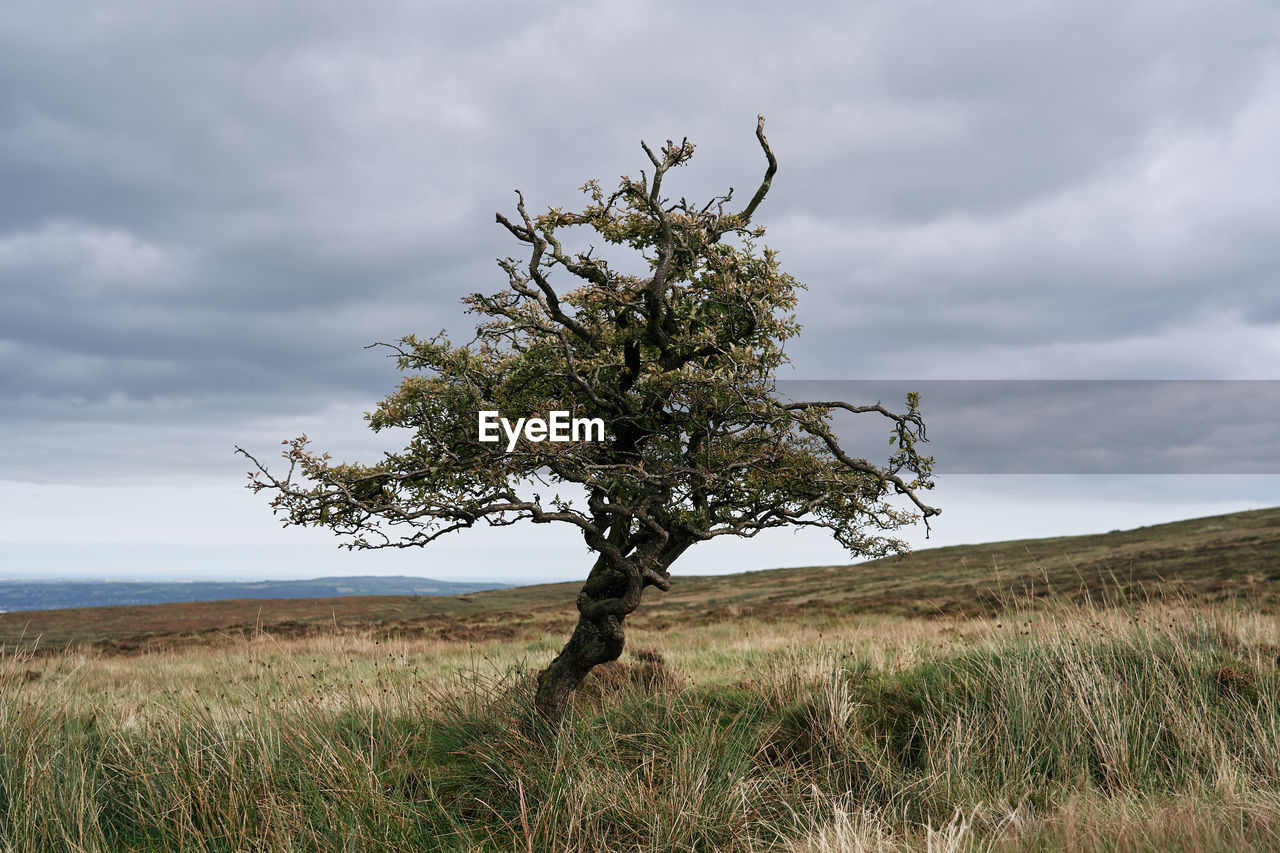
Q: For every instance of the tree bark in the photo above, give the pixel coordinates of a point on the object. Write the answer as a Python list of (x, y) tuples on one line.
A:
[(596, 640)]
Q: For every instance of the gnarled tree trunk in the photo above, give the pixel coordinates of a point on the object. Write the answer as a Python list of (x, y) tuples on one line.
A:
[(610, 594), (593, 643)]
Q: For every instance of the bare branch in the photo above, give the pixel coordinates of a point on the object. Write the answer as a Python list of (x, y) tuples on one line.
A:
[(763, 190)]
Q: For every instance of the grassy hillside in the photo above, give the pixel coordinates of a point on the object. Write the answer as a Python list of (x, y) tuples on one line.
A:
[(1211, 559), (1070, 727), (923, 703)]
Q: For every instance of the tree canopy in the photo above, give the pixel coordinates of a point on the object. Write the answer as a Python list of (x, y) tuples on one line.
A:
[(678, 357)]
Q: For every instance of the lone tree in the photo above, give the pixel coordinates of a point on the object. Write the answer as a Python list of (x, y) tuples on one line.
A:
[(678, 361)]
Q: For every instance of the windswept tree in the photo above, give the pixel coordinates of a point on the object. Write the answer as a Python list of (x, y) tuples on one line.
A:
[(677, 357)]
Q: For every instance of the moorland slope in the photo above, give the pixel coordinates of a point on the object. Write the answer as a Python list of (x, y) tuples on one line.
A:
[(1218, 558)]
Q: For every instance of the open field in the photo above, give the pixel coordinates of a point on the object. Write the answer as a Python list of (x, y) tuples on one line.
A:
[(1210, 559), (746, 716)]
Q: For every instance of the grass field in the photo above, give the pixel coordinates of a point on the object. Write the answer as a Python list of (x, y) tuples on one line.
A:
[(1091, 693), (1215, 559)]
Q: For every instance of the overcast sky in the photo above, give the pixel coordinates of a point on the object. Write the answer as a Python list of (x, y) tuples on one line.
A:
[(210, 209)]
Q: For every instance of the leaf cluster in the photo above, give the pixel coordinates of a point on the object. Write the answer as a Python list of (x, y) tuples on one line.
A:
[(679, 361)]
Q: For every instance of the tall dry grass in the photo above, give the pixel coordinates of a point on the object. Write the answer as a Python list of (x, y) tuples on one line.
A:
[(1073, 727)]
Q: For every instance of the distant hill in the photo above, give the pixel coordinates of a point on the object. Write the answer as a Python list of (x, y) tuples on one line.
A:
[(1227, 557), (62, 594)]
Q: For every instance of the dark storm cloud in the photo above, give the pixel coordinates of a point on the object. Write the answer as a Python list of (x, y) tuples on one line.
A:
[(210, 209)]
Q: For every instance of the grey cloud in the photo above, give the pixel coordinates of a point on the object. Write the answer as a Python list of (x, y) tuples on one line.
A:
[(226, 202), (1070, 426)]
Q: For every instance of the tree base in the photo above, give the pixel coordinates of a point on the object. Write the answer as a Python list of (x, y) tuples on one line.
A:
[(592, 643)]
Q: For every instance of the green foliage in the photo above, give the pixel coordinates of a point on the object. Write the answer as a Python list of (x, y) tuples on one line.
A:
[(677, 360)]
